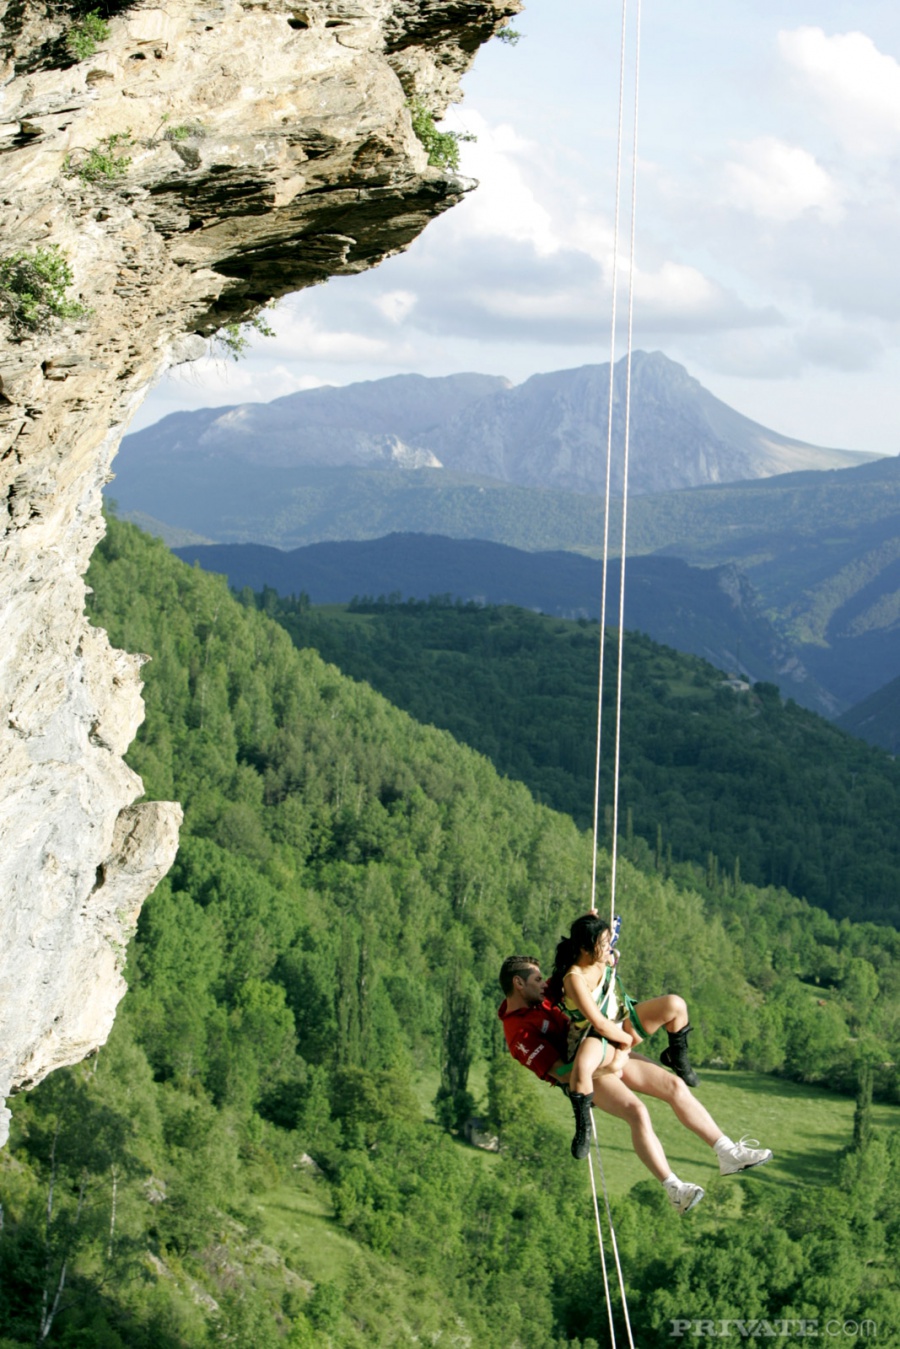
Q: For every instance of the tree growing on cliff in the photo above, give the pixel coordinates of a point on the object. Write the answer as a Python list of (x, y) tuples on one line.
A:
[(442, 146), (33, 291)]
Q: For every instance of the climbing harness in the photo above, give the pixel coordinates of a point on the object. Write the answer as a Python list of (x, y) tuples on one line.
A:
[(615, 922)]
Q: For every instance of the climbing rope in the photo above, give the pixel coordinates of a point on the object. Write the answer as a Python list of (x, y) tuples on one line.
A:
[(619, 670), (612, 1326), (609, 450), (613, 1242), (625, 465), (625, 459)]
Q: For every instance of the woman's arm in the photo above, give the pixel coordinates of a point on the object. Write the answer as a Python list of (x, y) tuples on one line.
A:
[(577, 989)]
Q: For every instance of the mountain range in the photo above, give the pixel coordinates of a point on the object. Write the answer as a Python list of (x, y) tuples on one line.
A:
[(818, 552), (711, 612), (821, 549), (813, 554), (548, 433)]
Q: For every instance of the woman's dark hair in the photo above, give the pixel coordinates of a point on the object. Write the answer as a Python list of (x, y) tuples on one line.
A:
[(583, 935)]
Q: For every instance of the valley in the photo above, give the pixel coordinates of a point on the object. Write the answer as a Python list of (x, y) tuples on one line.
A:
[(317, 978), (810, 600)]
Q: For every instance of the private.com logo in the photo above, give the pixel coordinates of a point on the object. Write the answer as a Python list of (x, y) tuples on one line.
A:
[(833, 1328)]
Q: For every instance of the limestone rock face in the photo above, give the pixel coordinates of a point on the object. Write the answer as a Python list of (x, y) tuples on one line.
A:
[(206, 158)]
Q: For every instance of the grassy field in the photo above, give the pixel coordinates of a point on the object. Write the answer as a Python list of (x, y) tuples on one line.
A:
[(301, 1248), (298, 1220), (805, 1127)]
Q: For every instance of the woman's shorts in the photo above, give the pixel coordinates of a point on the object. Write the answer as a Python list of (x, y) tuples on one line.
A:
[(575, 1037)]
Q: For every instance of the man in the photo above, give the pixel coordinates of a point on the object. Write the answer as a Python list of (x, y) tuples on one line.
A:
[(536, 1032)]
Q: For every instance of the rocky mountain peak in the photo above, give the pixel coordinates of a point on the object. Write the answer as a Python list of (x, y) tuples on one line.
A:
[(551, 431)]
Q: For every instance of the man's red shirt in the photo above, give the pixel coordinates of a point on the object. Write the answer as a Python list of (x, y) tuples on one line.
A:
[(536, 1036)]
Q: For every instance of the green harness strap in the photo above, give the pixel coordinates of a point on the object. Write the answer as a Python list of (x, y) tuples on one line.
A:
[(601, 996)]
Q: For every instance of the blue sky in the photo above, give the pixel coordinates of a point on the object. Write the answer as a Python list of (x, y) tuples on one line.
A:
[(767, 226)]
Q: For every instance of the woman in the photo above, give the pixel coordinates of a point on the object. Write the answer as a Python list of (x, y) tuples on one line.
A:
[(582, 985), (585, 986)]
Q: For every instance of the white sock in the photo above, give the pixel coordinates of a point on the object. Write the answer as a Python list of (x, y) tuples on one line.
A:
[(723, 1144), (671, 1181)]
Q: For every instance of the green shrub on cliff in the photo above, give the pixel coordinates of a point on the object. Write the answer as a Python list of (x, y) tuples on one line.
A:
[(103, 162), (442, 146), (84, 36), (33, 290), (233, 340)]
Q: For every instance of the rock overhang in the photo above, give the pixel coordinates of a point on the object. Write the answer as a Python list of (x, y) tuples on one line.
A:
[(269, 146)]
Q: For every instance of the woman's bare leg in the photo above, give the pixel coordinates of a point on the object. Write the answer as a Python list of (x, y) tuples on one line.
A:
[(670, 1011), (615, 1098), (647, 1077), (591, 1057)]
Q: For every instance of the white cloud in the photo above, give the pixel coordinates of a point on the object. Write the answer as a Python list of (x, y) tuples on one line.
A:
[(780, 182), (395, 305), (839, 346), (300, 337), (505, 203), (213, 380), (856, 85), (822, 344), (677, 289)]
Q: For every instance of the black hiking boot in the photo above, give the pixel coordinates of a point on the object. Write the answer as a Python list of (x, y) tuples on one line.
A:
[(676, 1057), (581, 1143)]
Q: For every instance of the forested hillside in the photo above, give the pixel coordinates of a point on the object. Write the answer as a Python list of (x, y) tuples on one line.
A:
[(735, 781), (877, 719), (822, 551), (707, 611), (323, 954)]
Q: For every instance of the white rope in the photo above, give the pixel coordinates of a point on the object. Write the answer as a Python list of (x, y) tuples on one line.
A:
[(612, 1235), (618, 741), (609, 450), (606, 516), (612, 1328)]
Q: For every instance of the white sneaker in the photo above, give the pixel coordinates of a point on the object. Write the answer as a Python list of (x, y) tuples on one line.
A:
[(684, 1196), (742, 1155)]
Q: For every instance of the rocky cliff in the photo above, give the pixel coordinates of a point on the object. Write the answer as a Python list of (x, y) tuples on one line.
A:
[(164, 173)]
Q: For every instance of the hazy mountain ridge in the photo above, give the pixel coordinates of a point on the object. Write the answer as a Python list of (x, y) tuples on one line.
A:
[(877, 718), (819, 547), (549, 432), (709, 612), (325, 427)]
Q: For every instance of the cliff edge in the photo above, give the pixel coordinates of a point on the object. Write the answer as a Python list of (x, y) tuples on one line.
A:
[(164, 173)]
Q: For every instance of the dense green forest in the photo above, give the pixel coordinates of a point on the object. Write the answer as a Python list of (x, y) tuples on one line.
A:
[(738, 782), (323, 953)]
